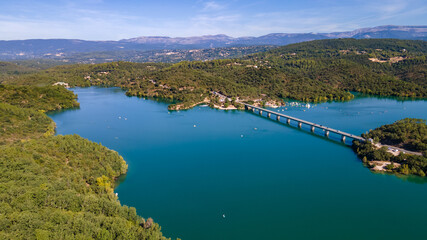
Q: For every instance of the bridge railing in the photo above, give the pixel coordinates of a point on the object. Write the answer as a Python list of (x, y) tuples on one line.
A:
[(301, 121)]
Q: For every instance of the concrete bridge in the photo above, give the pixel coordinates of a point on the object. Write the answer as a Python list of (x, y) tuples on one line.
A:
[(300, 122)]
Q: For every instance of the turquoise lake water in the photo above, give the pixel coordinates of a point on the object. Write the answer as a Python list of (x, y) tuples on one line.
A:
[(237, 175)]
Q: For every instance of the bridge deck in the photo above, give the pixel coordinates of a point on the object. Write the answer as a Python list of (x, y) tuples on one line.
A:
[(307, 122)]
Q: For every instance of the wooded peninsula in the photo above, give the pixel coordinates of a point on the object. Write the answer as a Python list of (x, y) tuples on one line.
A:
[(408, 134), (58, 187)]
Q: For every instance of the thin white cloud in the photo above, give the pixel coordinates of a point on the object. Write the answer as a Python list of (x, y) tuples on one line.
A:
[(387, 9), (307, 20), (213, 24), (212, 6), (391, 7)]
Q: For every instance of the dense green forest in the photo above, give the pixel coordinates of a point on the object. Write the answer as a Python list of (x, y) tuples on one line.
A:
[(27, 66), (313, 71), (8, 68), (410, 134), (18, 124), (61, 187), (58, 187), (45, 98), (22, 108)]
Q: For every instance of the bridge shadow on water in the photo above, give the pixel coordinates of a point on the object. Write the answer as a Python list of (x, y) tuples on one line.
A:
[(332, 138)]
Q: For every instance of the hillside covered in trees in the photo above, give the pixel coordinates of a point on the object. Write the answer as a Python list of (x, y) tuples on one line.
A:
[(18, 124), (47, 98), (58, 187), (409, 134), (313, 71), (61, 187)]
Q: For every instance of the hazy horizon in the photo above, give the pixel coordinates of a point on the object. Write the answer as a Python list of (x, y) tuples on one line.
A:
[(208, 35), (111, 20)]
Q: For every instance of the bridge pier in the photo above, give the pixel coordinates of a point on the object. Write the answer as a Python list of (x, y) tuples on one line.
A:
[(299, 122)]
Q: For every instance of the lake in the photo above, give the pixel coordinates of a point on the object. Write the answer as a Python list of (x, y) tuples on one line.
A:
[(214, 174)]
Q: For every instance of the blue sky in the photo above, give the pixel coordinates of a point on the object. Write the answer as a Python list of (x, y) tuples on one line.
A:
[(118, 19)]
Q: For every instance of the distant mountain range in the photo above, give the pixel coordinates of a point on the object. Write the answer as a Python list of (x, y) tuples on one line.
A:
[(399, 32), (62, 48)]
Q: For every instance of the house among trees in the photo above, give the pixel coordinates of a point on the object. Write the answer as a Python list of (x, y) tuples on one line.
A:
[(62, 84)]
